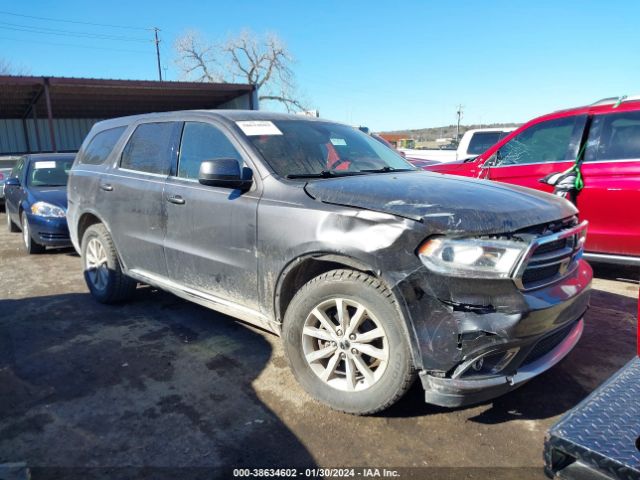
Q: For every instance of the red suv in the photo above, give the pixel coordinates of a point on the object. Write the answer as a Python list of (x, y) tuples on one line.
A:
[(606, 136)]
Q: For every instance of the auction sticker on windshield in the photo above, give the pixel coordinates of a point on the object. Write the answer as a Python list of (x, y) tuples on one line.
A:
[(254, 127), (45, 165)]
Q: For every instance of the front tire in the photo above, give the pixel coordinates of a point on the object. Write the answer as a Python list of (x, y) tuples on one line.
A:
[(102, 271), (345, 344), (11, 227), (30, 245)]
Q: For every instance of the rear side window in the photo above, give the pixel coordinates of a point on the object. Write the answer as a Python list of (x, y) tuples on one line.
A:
[(100, 146), (7, 163), (201, 141), (614, 137), (481, 141), (150, 148), (550, 141)]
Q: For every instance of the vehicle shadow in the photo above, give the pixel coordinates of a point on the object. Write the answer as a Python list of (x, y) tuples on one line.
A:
[(607, 344), (70, 251), (622, 273), (156, 388)]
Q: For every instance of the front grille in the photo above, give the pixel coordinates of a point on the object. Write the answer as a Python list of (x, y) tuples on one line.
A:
[(551, 258), (533, 276), (551, 246), (548, 343)]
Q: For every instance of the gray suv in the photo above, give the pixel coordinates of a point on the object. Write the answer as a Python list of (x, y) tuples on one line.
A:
[(373, 273)]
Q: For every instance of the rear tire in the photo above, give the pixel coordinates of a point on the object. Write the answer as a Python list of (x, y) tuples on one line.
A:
[(30, 245), (357, 361), (102, 271), (11, 227)]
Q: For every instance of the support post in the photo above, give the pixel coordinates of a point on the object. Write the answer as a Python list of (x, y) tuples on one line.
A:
[(35, 126), (47, 97), (25, 132)]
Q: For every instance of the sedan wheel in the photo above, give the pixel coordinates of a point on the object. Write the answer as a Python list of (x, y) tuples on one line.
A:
[(30, 245), (10, 225), (26, 234)]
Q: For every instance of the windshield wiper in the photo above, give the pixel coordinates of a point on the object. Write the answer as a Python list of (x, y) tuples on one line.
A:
[(322, 174), (388, 169)]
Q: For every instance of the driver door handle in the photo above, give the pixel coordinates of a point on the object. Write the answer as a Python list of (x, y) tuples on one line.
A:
[(107, 187), (177, 199)]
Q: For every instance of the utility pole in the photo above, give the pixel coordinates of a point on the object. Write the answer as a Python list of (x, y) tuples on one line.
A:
[(459, 114), (155, 32)]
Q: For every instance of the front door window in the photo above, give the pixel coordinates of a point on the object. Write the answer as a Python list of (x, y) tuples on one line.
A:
[(550, 141)]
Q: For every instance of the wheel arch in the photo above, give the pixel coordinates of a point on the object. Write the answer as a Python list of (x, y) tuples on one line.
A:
[(89, 218), (85, 221), (21, 208), (306, 267)]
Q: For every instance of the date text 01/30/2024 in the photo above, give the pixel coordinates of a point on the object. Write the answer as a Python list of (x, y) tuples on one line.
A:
[(316, 473)]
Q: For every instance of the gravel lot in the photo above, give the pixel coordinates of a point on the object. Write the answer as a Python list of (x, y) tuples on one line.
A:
[(160, 382)]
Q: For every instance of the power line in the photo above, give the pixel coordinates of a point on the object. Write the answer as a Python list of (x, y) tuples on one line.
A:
[(44, 30), (74, 21), (56, 44), (68, 33)]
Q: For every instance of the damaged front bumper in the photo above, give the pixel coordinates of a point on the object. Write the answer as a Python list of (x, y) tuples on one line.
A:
[(456, 392), (479, 339)]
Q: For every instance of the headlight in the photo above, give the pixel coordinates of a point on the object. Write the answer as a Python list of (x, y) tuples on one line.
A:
[(44, 209), (471, 257)]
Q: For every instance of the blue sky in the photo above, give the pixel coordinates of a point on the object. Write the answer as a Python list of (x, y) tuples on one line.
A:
[(388, 65)]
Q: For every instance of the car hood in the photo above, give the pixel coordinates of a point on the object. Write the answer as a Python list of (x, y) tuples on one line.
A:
[(444, 203), (54, 195)]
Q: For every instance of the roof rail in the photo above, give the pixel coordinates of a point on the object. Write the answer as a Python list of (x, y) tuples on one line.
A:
[(621, 99)]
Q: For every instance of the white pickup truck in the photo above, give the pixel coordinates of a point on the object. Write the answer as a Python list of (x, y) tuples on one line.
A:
[(473, 143)]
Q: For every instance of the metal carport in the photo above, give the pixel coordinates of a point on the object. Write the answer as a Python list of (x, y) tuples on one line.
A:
[(40, 114)]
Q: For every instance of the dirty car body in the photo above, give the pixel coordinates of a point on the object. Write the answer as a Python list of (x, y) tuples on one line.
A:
[(250, 251)]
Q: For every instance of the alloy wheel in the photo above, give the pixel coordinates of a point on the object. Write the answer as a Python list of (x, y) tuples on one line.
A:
[(96, 264), (26, 235), (345, 345)]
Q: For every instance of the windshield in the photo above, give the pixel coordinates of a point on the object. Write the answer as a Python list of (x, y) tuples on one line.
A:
[(299, 148), (49, 173)]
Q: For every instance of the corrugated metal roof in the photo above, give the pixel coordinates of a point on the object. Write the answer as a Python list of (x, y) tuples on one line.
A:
[(101, 98), (77, 103)]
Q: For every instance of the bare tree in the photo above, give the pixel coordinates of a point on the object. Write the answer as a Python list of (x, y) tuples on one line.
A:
[(263, 61), (5, 67), (8, 68)]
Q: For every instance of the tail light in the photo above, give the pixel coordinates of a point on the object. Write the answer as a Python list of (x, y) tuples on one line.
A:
[(1, 176)]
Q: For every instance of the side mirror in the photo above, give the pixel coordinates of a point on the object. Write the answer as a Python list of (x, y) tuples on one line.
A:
[(492, 161), (12, 181), (225, 173)]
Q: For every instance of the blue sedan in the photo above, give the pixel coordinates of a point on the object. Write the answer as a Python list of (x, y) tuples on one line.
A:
[(36, 200)]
